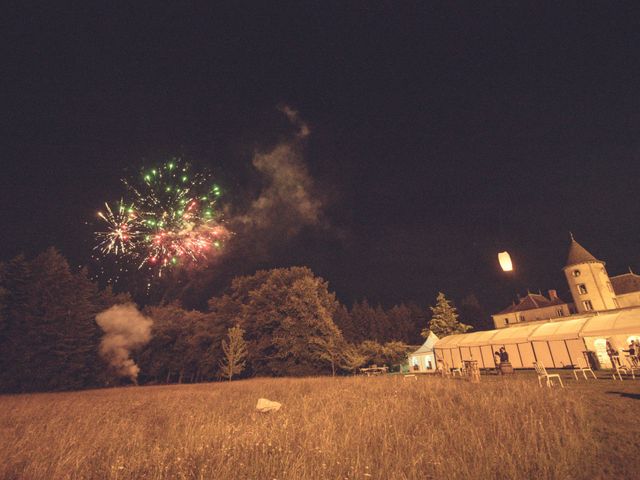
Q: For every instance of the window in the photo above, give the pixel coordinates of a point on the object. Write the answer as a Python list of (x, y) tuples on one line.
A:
[(560, 312), (615, 302), (587, 305), (582, 288), (522, 318), (576, 273), (506, 321), (610, 287)]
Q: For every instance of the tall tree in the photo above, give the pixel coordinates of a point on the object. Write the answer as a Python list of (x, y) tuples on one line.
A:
[(472, 313), (361, 316), (342, 319), (287, 316), (50, 338), (401, 324), (235, 353), (379, 329), (444, 319), (185, 346), (419, 320)]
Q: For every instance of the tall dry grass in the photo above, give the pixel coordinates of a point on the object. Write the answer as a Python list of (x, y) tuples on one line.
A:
[(342, 428)]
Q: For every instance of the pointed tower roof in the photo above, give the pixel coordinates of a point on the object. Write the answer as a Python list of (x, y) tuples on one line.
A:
[(579, 254)]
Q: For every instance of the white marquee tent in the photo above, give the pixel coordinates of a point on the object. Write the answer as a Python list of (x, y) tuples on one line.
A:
[(556, 343), (423, 359)]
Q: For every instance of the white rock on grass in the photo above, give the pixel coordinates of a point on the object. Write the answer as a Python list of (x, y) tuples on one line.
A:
[(265, 405)]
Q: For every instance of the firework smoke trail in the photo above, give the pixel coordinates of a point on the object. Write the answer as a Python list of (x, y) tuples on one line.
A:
[(172, 220)]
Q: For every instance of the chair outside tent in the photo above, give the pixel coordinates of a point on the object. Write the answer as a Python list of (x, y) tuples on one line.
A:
[(630, 366), (619, 369), (542, 373), (583, 367)]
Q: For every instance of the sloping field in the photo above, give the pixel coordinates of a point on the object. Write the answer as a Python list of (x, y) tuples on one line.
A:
[(343, 428)]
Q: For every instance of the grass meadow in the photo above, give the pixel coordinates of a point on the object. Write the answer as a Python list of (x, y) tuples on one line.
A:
[(328, 428)]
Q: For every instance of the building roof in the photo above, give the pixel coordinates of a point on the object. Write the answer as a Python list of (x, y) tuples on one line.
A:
[(625, 283), (579, 254), (530, 302)]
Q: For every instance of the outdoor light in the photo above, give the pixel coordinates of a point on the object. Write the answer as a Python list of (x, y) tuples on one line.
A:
[(505, 261)]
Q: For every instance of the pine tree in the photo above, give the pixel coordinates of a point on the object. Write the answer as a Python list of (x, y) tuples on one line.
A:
[(342, 319), (444, 319), (235, 353), (401, 325), (362, 315), (50, 338)]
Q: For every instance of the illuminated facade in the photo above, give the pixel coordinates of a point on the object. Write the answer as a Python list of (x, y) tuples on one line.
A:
[(592, 290)]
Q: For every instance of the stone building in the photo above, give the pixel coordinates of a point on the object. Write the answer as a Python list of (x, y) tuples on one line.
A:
[(591, 288)]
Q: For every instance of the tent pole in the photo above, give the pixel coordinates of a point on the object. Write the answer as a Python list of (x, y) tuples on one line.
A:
[(533, 349), (520, 355), (566, 345), (553, 360)]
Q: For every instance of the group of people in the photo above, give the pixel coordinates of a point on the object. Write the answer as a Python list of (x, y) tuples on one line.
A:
[(633, 351)]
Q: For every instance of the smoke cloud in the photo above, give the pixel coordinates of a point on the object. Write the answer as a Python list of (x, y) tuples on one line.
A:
[(289, 201), (125, 329)]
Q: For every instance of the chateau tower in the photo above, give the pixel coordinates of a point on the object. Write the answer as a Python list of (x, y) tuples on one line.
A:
[(588, 280)]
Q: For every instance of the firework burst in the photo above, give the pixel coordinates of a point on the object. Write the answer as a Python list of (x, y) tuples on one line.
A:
[(122, 229), (171, 219)]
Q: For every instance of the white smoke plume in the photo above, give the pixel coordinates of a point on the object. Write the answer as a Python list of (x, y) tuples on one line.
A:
[(125, 329), (288, 202)]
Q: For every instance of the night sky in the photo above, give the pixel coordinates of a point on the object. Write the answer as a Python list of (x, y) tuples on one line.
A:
[(439, 134)]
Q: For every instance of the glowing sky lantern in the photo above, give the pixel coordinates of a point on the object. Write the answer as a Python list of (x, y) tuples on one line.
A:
[(505, 261)]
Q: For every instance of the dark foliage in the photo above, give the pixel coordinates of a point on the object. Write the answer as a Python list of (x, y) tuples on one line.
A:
[(49, 338), (293, 325)]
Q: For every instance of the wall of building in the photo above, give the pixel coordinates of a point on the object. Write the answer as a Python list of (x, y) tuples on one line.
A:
[(631, 299), (599, 291), (544, 313)]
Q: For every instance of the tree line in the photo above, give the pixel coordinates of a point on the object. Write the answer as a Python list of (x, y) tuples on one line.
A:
[(276, 322)]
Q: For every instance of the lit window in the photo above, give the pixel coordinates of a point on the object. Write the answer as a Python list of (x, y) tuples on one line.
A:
[(582, 288), (587, 305), (576, 273)]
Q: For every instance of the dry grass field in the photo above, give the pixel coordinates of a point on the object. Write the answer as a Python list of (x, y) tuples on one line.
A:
[(342, 428)]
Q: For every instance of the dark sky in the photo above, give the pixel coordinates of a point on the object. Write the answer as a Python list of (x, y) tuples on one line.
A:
[(440, 134)]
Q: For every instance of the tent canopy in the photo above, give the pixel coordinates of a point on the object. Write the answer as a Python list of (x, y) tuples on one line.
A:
[(564, 330), (477, 339), (428, 344), (511, 335), (616, 322), (623, 322), (451, 341)]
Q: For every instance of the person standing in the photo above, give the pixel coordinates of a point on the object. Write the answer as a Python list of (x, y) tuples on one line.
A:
[(614, 357), (504, 356)]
